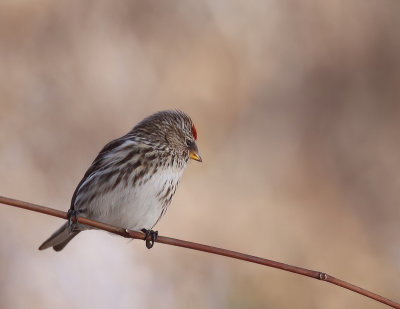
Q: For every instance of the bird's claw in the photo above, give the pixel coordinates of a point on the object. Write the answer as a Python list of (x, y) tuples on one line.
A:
[(72, 219), (151, 237)]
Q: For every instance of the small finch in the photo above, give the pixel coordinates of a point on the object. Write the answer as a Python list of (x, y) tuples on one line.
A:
[(131, 182)]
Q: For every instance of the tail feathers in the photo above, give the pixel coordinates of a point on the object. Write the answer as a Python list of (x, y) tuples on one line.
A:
[(60, 238), (61, 245)]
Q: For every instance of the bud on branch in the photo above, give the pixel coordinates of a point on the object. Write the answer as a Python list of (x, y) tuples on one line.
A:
[(195, 246)]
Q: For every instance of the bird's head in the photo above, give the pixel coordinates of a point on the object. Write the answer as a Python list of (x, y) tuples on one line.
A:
[(172, 131)]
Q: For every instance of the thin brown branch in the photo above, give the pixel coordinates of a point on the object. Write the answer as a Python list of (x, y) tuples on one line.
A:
[(195, 246)]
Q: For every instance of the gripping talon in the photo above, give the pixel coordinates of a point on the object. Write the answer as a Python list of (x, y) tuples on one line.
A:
[(72, 219), (151, 237)]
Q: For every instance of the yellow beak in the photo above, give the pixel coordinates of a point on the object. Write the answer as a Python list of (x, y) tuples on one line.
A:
[(195, 156)]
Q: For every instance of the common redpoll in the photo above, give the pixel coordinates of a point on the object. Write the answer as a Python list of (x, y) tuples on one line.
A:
[(131, 182)]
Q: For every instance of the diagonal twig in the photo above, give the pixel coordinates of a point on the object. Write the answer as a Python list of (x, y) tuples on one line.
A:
[(195, 246)]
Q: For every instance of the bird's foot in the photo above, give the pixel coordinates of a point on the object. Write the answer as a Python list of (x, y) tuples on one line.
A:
[(72, 217), (151, 237)]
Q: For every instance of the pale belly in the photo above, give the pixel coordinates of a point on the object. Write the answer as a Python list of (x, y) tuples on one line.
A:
[(134, 207)]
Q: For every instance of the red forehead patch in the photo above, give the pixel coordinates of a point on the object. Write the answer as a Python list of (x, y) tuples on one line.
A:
[(194, 131)]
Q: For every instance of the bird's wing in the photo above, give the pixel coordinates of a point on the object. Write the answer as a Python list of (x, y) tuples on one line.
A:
[(97, 163)]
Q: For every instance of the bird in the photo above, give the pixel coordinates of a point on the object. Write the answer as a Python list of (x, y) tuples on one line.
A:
[(132, 180)]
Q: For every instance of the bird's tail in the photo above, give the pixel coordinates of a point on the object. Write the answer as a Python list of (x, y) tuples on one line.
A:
[(60, 238)]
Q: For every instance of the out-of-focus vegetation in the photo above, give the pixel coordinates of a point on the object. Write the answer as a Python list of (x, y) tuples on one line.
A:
[(297, 109)]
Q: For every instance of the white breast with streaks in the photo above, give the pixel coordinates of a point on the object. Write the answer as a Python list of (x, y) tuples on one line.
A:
[(134, 207)]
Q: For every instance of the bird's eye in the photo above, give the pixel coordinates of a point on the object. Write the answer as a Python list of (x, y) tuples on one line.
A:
[(188, 142)]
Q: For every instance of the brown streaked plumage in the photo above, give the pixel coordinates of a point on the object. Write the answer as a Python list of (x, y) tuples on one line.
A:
[(132, 180)]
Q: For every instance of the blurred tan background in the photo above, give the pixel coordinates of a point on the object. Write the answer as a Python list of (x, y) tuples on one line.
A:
[(297, 106)]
